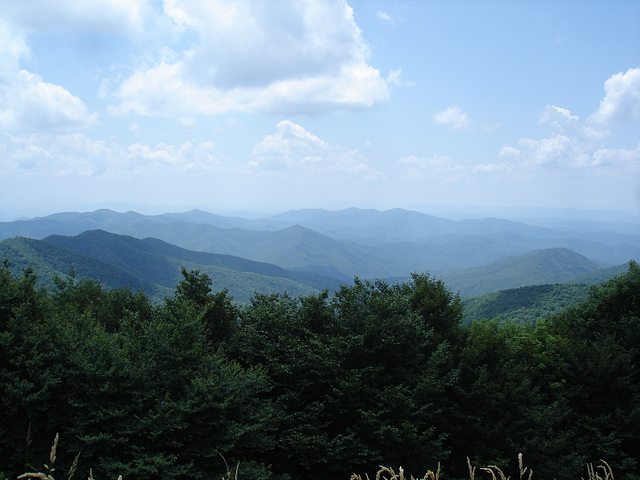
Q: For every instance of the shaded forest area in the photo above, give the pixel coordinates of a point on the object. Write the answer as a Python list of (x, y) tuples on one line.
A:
[(319, 386)]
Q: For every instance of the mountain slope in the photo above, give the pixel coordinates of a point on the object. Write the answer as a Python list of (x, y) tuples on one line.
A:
[(152, 265), (154, 259), (524, 304), (537, 267), (50, 260)]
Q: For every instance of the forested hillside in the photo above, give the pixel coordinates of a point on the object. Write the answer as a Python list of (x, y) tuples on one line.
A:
[(316, 386), (525, 305), (151, 265), (537, 267)]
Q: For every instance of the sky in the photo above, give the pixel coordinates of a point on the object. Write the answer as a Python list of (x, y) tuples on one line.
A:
[(266, 106)]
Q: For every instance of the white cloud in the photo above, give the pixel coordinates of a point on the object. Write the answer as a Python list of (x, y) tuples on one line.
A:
[(56, 155), (509, 152), (621, 104), (13, 47), (618, 158), (292, 143), (394, 79), (39, 105), (186, 157), (557, 116), (453, 117), (76, 154), (293, 147), (30, 104), (572, 144), (565, 123), (394, 17), (383, 16), (558, 150), (27, 102), (288, 57)]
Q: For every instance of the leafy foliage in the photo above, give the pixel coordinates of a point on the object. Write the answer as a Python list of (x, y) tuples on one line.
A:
[(314, 386)]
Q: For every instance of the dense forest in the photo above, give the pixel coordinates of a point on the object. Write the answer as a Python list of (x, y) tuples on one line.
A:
[(319, 386)]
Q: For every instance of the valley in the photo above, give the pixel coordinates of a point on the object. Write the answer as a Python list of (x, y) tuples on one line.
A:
[(305, 251)]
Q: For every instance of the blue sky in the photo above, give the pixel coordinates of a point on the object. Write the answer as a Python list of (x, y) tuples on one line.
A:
[(266, 106)]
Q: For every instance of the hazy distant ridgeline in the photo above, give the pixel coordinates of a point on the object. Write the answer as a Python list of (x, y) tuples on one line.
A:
[(352, 242), (306, 251)]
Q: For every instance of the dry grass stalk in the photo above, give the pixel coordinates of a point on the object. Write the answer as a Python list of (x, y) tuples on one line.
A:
[(52, 458), (492, 469), (400, 475), (496, 472), (472, 470), (74, 465), (523, 469), (49, 468), (229, 470), (594, 472), (355, 476)]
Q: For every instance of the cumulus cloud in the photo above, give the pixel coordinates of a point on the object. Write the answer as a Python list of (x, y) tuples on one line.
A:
[(621, 104), (509, 152), (76, 154), (289, 57), (453, 117), (572, 144), (616, 157), (292, 144), (293, 147), (570, 125), (29, 103), (13, 47), (186, 157), (56, 155)]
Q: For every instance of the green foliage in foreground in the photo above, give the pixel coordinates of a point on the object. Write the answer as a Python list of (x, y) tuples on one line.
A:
[(313, 387)]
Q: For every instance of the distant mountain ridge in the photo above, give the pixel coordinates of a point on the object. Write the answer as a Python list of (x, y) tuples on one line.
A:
[(346, 243), (152, 265)]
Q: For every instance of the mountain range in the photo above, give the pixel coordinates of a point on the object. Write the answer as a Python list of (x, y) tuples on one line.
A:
[(309, 250)]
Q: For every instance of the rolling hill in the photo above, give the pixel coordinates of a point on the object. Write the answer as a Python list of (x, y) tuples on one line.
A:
[(524, 305), (50, 260), (152, 265), (537, 267)]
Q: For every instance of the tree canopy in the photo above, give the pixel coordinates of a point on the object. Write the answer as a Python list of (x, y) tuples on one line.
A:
[(317, 386)]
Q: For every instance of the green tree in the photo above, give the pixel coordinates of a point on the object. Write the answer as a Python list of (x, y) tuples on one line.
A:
[(359, 378), (150, 397), (603, 378)]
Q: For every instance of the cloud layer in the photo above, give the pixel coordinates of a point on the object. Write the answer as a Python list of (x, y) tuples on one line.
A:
[(302, 57), (621, 104), (298, 151)]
